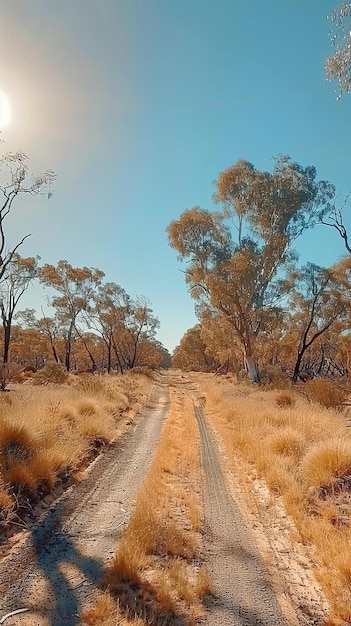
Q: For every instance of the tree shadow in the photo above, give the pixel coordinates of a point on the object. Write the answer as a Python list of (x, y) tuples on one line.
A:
[(140, 600), (54, 549)]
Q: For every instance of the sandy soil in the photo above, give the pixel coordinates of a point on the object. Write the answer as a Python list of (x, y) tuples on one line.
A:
[(259, 577)]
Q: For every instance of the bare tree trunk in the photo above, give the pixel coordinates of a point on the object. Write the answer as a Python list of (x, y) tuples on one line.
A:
[(252, 368), (297, 366), (93, 362)]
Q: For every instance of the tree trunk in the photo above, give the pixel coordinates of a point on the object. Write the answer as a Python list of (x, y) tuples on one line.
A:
[(7, 337), (68, 349), (91, 357), (252, 368), (5, 355), (109, 355), (53, 348), (297, 366)]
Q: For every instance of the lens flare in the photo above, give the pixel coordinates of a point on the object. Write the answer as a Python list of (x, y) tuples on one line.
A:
[(5, 111)]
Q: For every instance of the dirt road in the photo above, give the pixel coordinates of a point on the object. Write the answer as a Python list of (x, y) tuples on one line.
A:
[(53, 570)]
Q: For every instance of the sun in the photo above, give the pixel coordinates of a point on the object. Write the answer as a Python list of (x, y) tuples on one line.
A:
[(5, 111)]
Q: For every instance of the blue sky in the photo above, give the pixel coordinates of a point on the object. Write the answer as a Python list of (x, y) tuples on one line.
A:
[(139, 104)]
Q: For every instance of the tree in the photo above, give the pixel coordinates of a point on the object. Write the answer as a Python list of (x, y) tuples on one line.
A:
[(191, 352), (338, 66), (17, 182), (76, 286), (318, 301), (107, 315), (233, 257), (48, 327), (335, 219), (16, 278), (139, 324)]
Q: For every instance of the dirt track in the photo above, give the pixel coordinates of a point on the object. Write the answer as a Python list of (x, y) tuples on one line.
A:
[(53, 569)]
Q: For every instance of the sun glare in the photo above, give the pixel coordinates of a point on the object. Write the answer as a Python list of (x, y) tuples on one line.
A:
[(5, 111)]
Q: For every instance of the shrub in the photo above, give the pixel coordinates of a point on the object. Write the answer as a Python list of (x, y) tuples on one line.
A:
[(284, 400), (52, 373), (326, 393), (144, 371), (90, 384)]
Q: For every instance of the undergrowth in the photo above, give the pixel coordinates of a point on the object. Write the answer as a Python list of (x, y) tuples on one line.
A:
[(49, 433)]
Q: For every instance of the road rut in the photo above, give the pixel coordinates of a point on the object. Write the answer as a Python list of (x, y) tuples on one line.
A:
[(242, 593)]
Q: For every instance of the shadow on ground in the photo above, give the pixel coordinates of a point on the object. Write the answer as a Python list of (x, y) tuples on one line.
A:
[(61, 565)]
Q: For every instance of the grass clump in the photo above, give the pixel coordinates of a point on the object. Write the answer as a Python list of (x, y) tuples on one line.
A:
[(284, 400), (17, 444), (326, 393), (288, 442), (327, 463)]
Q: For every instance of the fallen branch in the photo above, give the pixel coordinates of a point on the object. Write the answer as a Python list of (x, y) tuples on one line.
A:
[(3, 619)]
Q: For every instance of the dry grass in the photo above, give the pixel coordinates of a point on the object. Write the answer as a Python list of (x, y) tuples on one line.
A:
[(327, 463), (284, 400), (304, 454), (48, 433), (152, 576), (326, 393)]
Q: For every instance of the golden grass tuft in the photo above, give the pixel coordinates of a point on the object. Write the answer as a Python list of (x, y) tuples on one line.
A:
[(126, 566), (87, 407), (284, 400), (327, 462), (288, 442), (90, 384), (17, 444), (22, 478), (103, 613)]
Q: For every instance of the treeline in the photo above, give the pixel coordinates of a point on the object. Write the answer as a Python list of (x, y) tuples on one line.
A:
[(95, 324), (259, 311)]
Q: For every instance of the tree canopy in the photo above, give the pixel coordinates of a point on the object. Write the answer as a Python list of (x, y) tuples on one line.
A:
[(338, 66), (233, 257)]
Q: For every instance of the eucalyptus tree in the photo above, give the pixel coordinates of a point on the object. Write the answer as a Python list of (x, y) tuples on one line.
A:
[(338, 66), (107, 314), (47, 327), (233, 257), (76, 287), (140, 324), (191, 353), (318, 298), (15, 181), (16, 278)]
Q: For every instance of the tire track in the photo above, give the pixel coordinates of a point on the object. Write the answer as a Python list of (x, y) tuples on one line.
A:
[(242, 593)]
